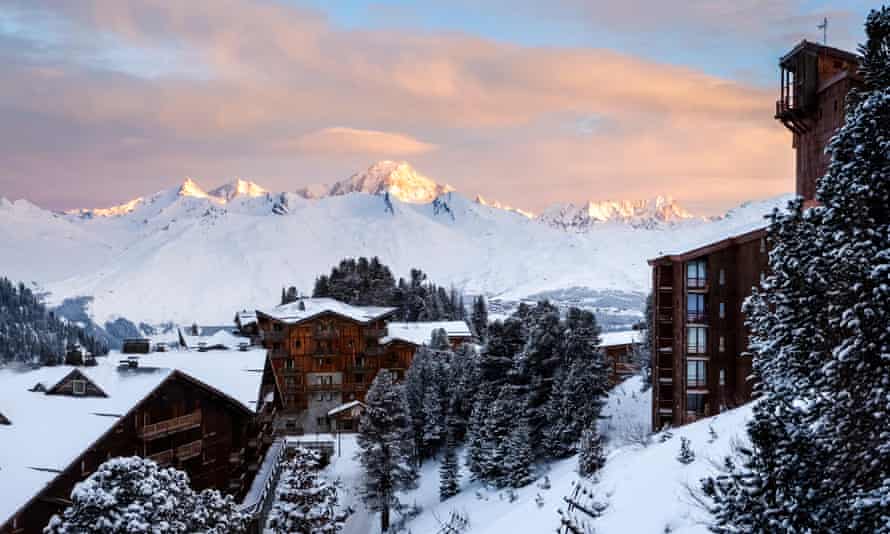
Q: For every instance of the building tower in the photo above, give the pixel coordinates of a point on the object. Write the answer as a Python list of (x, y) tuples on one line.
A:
[(814, 80)]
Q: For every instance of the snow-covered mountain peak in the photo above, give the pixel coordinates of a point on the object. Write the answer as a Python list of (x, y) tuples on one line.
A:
[(638, 213), (190, 188), (238, 188), (495, 204), (398, 178)]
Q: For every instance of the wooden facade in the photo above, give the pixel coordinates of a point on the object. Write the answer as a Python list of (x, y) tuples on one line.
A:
[(182, 423), (700, 366), (620, 360), (322, 362), (814, 82)]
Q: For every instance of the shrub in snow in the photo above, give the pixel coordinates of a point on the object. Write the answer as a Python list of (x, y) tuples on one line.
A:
[(686, 454), (544, 484), (820, 434), (712, 434), (539, 500), (305, 502), (127, 495), (666, 435), (385, 447)]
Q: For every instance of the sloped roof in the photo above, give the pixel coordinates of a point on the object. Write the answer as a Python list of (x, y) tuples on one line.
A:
[(343, 407), (625, 337), (51, 431), (420, 333), (219, 338), (307, 308)]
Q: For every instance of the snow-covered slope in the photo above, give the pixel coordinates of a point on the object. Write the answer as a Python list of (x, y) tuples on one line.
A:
[(645, 488), (186, 255)]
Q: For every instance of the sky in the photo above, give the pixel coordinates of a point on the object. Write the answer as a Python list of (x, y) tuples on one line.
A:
[(521, 101)]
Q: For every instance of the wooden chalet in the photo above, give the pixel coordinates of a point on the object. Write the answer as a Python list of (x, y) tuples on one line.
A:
[(60, 432), (420, 333), (619, 349), (344, 418), (323, 353), (700, 364), (136, 345)]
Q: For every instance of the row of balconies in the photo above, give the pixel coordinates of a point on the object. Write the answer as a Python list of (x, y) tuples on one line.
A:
[(171, 426), (181, 453)]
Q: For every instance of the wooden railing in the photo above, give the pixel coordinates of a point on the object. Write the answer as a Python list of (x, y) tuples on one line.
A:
[(374, 332), (171, 426), (189, 450), (374, 351), (162, 458)]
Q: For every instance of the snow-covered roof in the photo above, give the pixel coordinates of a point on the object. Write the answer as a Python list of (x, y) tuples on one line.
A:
[(246, 317), (625, 337), (51, 431), (421, 333), (306, 308), (48, 432), (220, 338), (343, 407)]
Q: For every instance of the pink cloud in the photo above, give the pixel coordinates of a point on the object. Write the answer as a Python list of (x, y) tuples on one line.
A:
[(373, 143)]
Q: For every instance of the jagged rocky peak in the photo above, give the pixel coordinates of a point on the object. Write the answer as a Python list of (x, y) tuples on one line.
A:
[(495, 204), (398, 178), (638, 213), (238, 188)]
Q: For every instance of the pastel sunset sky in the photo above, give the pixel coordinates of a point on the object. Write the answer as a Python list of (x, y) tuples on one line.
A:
[(523, 101)]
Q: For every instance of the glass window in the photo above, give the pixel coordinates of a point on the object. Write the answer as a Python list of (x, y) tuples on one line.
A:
[(722, 277), (722, 310), (696, 374), (695, 308), (722, 377), (696, 340), (722, 344), (695, 403), (696, 274)]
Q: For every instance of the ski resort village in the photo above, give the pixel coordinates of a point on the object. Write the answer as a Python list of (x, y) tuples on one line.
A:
[(388, 353)]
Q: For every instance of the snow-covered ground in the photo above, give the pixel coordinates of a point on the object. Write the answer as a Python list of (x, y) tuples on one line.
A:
[(646, 488)]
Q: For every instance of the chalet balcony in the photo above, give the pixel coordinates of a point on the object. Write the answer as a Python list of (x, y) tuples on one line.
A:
[(189, 450), (272, 336), (665, 375), (696, 284), (236, 457), (665, 406), (665, 315), (374, 332), (253, 443), (697, 317), (278, 354), (171, 426), (325, 334), (325, 387), (374, 351), (162, 458)]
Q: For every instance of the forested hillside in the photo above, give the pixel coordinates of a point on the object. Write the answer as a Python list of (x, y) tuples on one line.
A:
[(30, 333)]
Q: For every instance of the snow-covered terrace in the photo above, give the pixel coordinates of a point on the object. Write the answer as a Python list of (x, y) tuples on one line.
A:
[(49, 432)]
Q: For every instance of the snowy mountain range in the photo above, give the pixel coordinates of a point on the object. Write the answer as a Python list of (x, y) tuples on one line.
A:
[(186, 254)]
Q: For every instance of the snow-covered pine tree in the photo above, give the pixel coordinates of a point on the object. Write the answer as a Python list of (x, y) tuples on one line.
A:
[(591, 457), (439, 340), (449, 470), (134, 494), (479, 318), (686, 454), (820, 435), (385, 447), (518, 457), (305, 502)]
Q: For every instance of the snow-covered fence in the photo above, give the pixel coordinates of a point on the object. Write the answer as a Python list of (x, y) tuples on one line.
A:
[(259, 498)]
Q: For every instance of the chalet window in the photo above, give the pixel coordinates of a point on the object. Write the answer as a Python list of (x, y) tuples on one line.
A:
[(695, 308), (359, 378), (696, 374), (318, 396), (722, 347), (79, 387), (296, 343), (696, 274), (696, 340), (722, 377), (288, 364), (319, 362), (722, 310), (722, 277), (277, 327), (695, 403), (321, 421)]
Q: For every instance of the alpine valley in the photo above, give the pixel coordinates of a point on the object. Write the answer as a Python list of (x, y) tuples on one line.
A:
[(188, 254)]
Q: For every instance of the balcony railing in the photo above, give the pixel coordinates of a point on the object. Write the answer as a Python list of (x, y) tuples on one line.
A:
[(696, 317), (696, 283), (236, 457), (162, 458), (189, 450), (171, 426), (325, 387), (665, 315), (374, 351), (696, 382), (325, 334), (272, 336)]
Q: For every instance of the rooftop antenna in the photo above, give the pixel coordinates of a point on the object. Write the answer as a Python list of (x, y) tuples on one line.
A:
[(824, 28)]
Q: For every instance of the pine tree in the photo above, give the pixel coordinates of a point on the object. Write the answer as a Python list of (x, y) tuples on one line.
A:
[(820, 434), (449, 470), (384, 440), (479, 318), (125, 494), (591, 457), (305, 502), (686, 454), (518, 457)]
